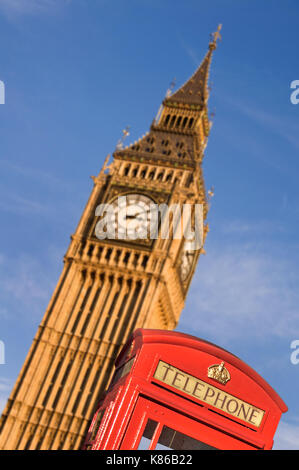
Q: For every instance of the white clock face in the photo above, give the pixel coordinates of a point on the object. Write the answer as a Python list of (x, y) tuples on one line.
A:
[(187, 259), (132, 216)]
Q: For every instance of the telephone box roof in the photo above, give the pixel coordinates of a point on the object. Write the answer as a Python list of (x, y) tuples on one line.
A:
[(174, 338)]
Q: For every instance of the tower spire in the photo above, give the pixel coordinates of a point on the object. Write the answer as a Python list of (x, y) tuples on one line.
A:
[(195, 91)]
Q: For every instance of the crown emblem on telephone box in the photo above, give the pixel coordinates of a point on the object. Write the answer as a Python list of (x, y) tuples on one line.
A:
[(219, 372)]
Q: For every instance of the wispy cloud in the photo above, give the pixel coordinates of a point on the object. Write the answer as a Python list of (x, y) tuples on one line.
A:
[(38, 175), (29, 7), (287, 436), (4, 384), (244, 227), (49, 200), (26, 285), (241, 292), (283, 126), (190, 52), (19, 205)]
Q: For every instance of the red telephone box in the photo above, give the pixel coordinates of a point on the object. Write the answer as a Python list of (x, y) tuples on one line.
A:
[(174, 391)]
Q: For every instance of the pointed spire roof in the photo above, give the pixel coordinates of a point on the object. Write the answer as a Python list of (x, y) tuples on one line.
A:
[(195, 91)]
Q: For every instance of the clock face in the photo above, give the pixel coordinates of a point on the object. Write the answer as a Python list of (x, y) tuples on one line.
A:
[(132, 216), (187, 259)]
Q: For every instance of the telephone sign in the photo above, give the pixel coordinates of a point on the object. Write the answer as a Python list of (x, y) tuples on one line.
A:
[(174, 391)]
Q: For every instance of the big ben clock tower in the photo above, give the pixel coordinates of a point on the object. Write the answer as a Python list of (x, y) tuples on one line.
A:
[(111, 286)]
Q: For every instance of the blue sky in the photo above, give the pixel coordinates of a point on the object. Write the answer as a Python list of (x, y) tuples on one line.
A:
[(76, 73)]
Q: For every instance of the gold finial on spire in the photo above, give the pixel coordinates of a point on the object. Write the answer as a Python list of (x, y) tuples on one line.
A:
[(215, 36)]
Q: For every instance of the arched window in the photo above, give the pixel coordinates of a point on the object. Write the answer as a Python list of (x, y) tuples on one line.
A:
[(167, 119), (184, 122), (126, 170), (143, 173), (178, 121), (90, 250), (172, 121), (135, 147), (136, 258), (126, 257), (189, 180), (169, 177)]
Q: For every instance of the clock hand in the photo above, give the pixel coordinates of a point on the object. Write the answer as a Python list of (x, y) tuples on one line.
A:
[(131, 216)]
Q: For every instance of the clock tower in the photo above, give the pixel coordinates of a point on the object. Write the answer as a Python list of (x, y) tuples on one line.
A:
[(109, 286)]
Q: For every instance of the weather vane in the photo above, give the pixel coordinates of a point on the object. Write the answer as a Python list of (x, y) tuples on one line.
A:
[(211, 193), (215, 36), (213, 113), (171, 87), (168, 93), (126, 133)]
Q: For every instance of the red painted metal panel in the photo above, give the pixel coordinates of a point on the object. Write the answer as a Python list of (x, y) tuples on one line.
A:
[(242, 412), (146, 409)]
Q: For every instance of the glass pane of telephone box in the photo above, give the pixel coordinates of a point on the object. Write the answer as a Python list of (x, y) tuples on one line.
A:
[(97, 424), (170, 439), (147, 435), (174, 440)]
